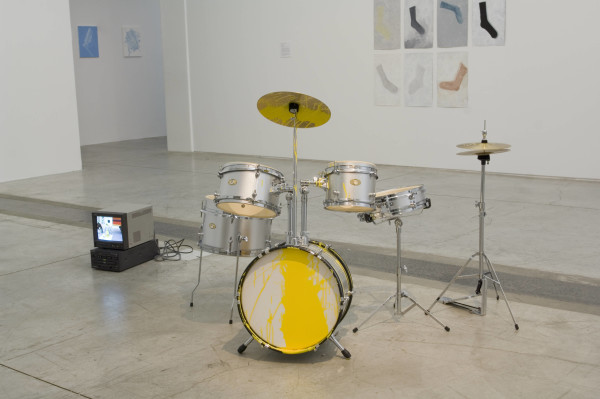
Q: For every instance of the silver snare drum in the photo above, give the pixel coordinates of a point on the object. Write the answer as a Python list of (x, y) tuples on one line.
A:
[(350, 186), (401, 201), (248, 189), (218, 231)]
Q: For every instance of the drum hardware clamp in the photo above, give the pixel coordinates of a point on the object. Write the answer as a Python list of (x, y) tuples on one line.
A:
[(483, 150)]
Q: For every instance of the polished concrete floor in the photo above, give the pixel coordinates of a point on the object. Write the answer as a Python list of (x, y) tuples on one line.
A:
[(69, 331)]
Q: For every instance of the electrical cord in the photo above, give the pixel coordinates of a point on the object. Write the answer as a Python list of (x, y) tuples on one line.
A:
[(172, 251)]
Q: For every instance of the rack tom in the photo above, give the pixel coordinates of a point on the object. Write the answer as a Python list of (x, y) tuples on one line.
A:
[(350, 186), (249, 189)]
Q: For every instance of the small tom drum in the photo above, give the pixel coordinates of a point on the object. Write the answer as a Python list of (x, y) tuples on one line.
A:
[(291, 298), (401, 201), (218, 232), (247, 190), (350, 186)]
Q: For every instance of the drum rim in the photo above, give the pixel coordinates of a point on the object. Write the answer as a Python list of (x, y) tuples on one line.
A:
[(249, 166), (284, 245), (395, 191), (327, 203), (350, 162), (239, 200)]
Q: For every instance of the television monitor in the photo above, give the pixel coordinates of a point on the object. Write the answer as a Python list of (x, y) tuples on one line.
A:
[(123, 226)]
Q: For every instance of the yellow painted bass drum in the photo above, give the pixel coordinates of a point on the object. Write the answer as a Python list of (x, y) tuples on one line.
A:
[(291, 298)]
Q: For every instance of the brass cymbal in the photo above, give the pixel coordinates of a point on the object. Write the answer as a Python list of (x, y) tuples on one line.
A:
[(276, 108), (484, 146), (484, 152)]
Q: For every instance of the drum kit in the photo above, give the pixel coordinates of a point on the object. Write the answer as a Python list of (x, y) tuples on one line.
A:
[(293, 295)]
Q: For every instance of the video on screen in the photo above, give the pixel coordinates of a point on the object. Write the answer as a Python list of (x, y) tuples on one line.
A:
[(108, 228)]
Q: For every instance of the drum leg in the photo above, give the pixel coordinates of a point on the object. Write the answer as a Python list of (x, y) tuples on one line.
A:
[(237, 264), (339, 346), (198, 283), (243, 346)]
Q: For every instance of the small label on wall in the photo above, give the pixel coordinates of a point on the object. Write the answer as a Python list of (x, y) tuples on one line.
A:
[(285, 50)]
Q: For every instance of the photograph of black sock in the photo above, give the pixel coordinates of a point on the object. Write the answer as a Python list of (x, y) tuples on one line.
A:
[(413, 21), (485, 24)]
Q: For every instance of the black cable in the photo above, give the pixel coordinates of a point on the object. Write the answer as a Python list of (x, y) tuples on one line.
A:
[(173, 250)]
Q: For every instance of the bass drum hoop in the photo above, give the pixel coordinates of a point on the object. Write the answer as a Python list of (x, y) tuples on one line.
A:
[(342, 312)]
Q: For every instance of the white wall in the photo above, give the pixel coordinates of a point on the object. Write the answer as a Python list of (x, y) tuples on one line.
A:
[(38, 108), (119, 98), (177, 93), (539, 92)]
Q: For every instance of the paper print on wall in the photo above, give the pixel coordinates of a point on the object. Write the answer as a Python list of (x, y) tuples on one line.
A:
[(489, 22), (453, 80), (387, 73), (418, 80), (452, 22), (88, 41), (418, 24), (132, 41), (386, 24)]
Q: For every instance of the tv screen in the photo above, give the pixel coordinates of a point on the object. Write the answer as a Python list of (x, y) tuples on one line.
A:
[(109, 228)]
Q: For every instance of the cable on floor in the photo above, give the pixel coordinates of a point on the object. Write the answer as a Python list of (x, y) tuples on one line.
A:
[(172, 250)]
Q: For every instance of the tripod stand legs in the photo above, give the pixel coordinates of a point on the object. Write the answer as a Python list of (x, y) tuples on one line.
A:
[(399, 293), (198, 283), (481, 290)]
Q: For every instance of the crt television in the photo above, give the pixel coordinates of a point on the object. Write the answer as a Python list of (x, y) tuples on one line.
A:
[(123, 226)]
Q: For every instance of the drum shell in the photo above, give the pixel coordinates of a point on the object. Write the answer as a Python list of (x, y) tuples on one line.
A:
[(401, 201), (218, 232), (256, 290), (247, 190), (350, 186)]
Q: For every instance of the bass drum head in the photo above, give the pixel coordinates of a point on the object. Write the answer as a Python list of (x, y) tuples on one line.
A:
[(289, 298)]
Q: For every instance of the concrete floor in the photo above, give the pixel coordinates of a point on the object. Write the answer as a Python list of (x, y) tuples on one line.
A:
[(69, 331)]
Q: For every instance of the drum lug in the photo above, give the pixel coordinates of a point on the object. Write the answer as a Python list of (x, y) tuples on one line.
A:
[(427, 203), (254, 194)]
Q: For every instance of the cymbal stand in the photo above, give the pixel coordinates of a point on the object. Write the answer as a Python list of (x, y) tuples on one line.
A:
[(399, 294), (292, 234), (483, 277)]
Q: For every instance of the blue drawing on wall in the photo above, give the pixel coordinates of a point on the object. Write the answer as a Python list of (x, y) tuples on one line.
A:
[(132, 41), (88, 41)]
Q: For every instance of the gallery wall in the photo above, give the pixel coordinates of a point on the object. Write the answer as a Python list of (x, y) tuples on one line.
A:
[(119, 97), (537, 92), (38, 107)]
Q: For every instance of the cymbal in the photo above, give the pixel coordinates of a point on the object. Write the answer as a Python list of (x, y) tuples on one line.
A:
[(484, 146), (276, 108), (484, 152)]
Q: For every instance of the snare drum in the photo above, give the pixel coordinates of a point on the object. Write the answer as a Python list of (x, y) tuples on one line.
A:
[(291, 298), (350, 186), (218, 231), (247, 190), (401, 201)]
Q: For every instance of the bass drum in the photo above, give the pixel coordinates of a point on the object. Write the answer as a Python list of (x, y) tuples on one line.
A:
[(291, 298)]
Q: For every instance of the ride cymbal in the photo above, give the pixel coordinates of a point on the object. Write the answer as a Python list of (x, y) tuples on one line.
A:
[(276, 108)]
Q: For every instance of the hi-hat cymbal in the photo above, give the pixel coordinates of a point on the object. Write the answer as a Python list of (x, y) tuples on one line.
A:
[(484, 152), (483, 146), (276, 108)]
